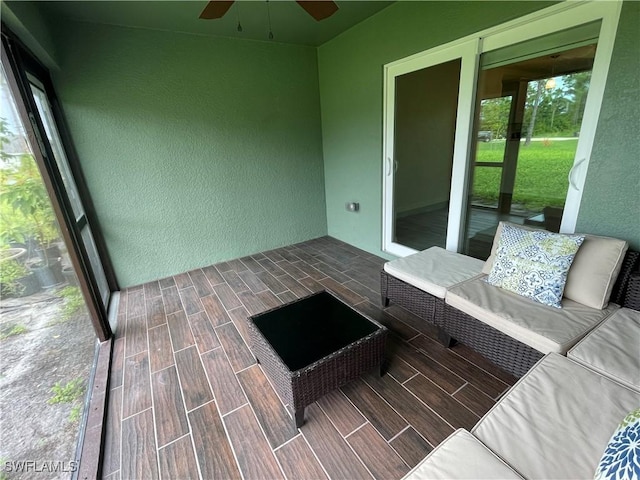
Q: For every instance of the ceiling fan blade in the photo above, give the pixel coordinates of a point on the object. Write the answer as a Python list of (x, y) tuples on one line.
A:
[(215, 9), (319, 9)]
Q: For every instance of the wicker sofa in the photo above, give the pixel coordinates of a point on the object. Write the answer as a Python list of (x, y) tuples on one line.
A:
[(557, 420), (512, 331)]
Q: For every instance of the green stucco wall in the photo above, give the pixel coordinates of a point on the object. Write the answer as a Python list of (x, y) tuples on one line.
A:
[(351, 92), (195, 149), (611, 198)]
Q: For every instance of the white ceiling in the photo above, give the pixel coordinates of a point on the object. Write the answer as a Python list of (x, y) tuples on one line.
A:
[(289, 22)]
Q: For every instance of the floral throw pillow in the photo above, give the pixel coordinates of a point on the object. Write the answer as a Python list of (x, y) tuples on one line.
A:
[(621, 458), (534, 263)]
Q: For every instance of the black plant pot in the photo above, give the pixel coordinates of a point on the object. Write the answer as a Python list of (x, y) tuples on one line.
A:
[(28, 285), (49, 275)]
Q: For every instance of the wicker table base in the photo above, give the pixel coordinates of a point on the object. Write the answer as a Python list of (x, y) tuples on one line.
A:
[(314, 345)]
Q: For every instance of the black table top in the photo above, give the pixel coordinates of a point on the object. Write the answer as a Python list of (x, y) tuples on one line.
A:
[(309, 329)]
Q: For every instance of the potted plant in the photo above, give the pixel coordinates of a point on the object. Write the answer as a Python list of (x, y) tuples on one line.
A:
[(26, 207), (16, 280)]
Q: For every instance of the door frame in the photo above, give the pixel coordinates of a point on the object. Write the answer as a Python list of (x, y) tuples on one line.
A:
[(543, 22)]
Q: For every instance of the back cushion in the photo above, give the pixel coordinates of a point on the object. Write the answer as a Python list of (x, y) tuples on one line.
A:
[(594, 270)]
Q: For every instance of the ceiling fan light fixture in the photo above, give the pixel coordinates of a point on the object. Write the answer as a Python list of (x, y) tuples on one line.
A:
[(269, 19), (239, 27), (551, 83)]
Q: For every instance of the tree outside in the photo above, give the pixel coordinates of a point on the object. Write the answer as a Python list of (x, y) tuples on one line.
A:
[(559, 109), (551, 125)]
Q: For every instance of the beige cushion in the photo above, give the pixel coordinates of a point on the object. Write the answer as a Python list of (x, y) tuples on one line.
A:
[(594, 270), (460, 456), (544, 328), (434, 270), (613, 348), (556, 421)]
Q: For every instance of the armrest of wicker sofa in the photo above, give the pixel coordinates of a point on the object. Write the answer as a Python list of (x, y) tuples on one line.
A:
[(626, 291)]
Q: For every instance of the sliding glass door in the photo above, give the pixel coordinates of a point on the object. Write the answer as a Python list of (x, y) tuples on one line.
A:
[(429, 100), (532, 99), (498, 126)]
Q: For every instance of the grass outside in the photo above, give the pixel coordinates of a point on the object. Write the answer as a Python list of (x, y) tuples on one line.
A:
[(541, 177)]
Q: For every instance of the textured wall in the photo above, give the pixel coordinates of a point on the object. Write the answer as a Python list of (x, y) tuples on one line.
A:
[(196, 149), (611, 198), (351, 82)]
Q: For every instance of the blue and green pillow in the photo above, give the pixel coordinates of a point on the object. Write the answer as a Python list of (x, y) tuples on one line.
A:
[(534, 263), (621, 458)]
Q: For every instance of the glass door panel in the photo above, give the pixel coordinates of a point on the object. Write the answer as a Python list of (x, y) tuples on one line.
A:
[(46, 115), (425, 120), (48, 121), (531, 110), (428, 115)]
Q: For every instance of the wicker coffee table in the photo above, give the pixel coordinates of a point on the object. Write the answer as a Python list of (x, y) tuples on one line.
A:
[(314, 345)]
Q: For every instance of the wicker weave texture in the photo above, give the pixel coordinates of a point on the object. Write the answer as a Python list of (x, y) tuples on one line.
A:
[(302, 387), (632, 295), (407, 296), (629, 266), (506, 352)]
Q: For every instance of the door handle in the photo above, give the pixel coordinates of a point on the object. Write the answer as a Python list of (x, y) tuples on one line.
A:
[(395, 166), (388, 166), (572, 172)]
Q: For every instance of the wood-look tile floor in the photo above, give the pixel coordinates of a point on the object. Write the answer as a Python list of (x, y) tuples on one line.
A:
[(187, 399)]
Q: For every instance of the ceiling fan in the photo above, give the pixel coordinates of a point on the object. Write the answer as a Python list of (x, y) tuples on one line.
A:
[(317, 9)]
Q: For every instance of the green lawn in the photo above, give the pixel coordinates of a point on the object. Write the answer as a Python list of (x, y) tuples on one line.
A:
[(541, 177)]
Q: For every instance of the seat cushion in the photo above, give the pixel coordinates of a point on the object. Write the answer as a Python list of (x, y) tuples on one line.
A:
[(434, 270), (613, 348), (594, 270), (557, 420), (544, 328), (460, 456)]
